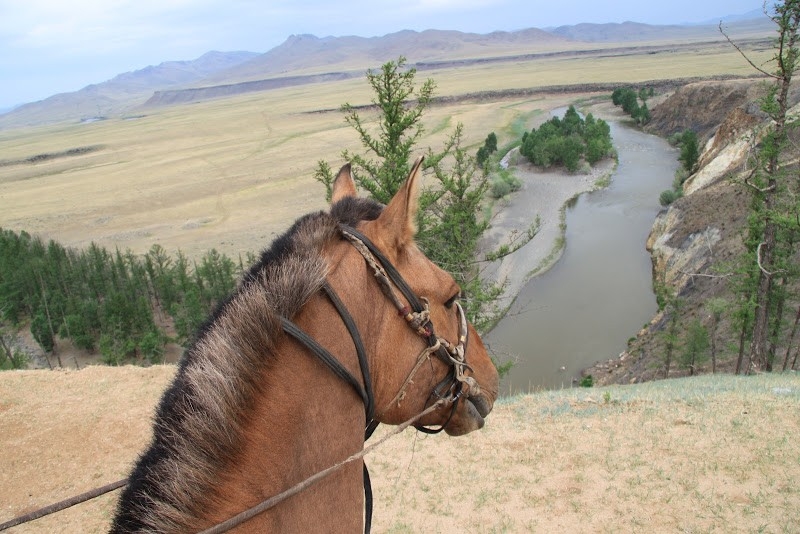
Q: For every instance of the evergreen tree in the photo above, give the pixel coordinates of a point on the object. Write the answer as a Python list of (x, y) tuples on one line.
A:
[(695, 346), (690, 150), (400, 106), (450, 222), (775, 206)]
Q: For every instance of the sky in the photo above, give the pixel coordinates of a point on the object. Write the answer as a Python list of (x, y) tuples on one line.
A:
[(56, 46)]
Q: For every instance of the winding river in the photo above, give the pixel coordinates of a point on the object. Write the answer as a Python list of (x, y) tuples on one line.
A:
[(599, 293)]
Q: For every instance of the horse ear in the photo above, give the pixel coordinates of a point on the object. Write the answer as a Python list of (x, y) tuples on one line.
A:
[(343, 185), (399, 217)]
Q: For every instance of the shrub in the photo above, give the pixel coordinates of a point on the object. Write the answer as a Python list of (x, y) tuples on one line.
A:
[(567, 141), (503, 184), (668, 196)]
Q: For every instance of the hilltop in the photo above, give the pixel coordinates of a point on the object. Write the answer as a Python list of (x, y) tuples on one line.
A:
[(710, 454)]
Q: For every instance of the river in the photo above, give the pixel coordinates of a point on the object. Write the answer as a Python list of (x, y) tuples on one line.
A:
[(599, 294)]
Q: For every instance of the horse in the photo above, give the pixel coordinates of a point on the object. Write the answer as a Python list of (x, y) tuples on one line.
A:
[(341, 324)]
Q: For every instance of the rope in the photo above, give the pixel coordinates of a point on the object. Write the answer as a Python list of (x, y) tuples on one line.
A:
[(237, 520), (243, 516), (62, 505)]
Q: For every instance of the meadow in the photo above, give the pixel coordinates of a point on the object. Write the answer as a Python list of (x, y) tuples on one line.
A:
[(711, 454), (232, 173)]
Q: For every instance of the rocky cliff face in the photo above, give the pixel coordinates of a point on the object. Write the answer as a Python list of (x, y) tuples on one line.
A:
[(701, 232)]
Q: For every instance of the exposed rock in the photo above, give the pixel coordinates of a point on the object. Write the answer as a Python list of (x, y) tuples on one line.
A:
[(702, 106), (694, 241)]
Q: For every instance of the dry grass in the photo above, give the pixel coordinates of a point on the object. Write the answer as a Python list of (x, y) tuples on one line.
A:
[(231, 173), (706, 454)]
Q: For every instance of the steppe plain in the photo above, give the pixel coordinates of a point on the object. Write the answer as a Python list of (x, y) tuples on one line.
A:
[(711, 454), (232, 173)]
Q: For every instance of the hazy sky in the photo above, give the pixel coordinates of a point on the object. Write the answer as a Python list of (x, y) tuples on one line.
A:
[(55, 46)]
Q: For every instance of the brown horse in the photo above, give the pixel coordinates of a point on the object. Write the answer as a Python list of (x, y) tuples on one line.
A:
[(253, 412)]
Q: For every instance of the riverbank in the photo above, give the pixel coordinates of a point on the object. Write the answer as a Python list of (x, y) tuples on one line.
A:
[(544, 197)]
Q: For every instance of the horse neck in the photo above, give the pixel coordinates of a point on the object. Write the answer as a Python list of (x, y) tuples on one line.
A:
[(304, 419)]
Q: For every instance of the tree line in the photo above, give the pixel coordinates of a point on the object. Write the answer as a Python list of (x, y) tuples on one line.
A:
[(628, 99), (117, 303), (122, 305)]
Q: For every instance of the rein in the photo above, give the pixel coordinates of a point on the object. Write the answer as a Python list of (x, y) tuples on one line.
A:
[(417, 315)]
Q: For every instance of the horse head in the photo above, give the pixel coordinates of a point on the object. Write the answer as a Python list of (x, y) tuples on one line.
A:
[(431, 352)]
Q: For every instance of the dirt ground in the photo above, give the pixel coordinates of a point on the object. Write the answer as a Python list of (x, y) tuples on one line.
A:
[(707, 454)]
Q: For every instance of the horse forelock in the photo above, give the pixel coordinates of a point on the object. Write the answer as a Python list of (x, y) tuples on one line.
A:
[(199, 426)]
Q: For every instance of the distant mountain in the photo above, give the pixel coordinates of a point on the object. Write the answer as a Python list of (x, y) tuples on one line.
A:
[(122, 93), (626, 32), (307, 54), (308, 59), (750, 15)]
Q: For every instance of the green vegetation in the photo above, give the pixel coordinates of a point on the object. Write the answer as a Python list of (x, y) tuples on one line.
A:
[(504, 182), (489, 147), (567, 141), (117, 303), (689, 155), (695, 346), (769, 271), (628, 99), (10, 358), (761, 308), (690, 150), (450, 220)]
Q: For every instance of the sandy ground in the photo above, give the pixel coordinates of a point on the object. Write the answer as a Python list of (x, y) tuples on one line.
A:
[(543, 195), (713, 454)]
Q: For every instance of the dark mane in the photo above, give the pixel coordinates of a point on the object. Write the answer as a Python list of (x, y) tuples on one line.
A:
[(198, 426)]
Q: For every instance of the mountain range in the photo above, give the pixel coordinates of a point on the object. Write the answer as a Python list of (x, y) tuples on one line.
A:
[(309, 59)]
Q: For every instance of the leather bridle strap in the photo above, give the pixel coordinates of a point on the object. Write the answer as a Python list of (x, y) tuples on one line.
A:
[(365, 392), (324, 356), (390, 276), (454, 356)]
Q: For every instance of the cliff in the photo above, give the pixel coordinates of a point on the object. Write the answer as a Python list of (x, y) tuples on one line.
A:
[(696, 241)]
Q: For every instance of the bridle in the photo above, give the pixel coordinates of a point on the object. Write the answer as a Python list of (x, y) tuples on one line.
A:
[(417, 315)]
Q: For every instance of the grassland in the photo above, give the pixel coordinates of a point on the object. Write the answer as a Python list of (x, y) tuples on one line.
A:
[(711, 454), (231, 173)]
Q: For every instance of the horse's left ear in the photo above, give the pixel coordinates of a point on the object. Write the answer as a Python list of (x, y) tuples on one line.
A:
[(343, 185), (399, 217)]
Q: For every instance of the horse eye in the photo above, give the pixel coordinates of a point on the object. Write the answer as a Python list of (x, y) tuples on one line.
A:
[(452, 300)]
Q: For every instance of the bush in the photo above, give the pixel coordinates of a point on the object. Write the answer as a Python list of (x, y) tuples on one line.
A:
[(690, 150), (628, 99), (668, 196), (567, 141), (503, 184)]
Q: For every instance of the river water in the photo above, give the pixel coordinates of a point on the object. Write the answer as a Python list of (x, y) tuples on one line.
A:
[(599, 294)]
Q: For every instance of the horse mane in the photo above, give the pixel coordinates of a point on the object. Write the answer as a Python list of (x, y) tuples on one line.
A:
[(200, 421)]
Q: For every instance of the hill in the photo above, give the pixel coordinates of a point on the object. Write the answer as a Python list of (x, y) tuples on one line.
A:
[(706, 454), (626, 32), (304, 59), (123, 93)]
